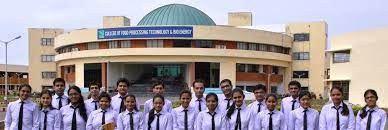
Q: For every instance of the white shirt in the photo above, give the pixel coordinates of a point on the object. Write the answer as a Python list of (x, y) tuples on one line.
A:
[(195, 103), (95, 119), (67, 117), (286, 106), (53, 119), (261, 120), (223, 103), (245, 115), (30, 115), (254, 106), (179, 118), (90, 105), (165, 121), (204, 120), (378, 121), (123, 120), (148, 105), (116, 103), (55, 101), (296, 119), (328, 118)]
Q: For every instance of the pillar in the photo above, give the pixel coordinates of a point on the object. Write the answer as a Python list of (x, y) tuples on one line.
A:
[(228, 71), (79, 74), (104, 75)]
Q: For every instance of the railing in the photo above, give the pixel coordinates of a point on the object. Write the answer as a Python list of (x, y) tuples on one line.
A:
[(14, 80)]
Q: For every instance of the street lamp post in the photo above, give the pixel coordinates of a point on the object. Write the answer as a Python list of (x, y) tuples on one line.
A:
[(6, 63)]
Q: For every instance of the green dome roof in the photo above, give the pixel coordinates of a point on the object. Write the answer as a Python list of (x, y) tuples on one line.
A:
[(176, 14)]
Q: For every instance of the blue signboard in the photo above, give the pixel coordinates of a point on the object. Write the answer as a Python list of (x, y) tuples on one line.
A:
[(146, 32), (213, 90)]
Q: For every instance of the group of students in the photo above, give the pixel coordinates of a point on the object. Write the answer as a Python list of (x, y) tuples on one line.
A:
[(196, 112)]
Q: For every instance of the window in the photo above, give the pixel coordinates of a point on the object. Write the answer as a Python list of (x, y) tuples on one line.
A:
[(222, 46), (93, 46), (253, 68), (49, 75), (301, 56), (203, 44), (302, 37), (113, 44), (126, 44), (242, 46), (345, 87), (305, 88), (263, 47), (47, 58), (47, 41), (252, 46), (154, 43), (286, 51), (272, 48), (300, 74), (275, 70), (274, 89), (240, 67), (341, 56)]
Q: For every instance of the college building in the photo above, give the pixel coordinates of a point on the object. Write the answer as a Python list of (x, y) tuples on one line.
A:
[(357, 63), (178, 43), (17, 75)]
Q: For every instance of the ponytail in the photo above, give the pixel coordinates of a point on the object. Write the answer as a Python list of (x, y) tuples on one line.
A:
[(345, 110), (231, 110), (363, 112), (151, 117)]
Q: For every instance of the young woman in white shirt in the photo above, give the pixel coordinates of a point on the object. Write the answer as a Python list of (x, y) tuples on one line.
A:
[(184, 115), (304, 117), (131, 118), (103, 115), (157, 118), (270, 119), (209, 119), (50, 117), (74, 114), (371, 117)]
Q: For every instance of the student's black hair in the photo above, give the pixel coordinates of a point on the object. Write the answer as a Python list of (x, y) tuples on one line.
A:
[(198, 81), (226, 81), (151, 115), (304, 93), (185, 91), (271, 95), (59, 80), (212, 95), (46, 91), (25, 85), (295, 83), (94, 83), (233, 107), (134, 97), (122, 80), (345, 109), (156, 83), (260, 86), (363, 110), (105, 95), (81, 104)]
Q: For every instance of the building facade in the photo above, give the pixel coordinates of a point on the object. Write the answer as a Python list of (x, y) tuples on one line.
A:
[(178, 43), (357, 64), (17, 75)]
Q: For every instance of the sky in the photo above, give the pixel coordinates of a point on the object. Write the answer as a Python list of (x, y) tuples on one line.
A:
[(17, 16)]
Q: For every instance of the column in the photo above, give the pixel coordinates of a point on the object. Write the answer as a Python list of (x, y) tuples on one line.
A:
[(191, 73), (79, 74), (104, 75), (228, 71)]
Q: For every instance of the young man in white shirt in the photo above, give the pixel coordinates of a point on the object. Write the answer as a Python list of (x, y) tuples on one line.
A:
[(198, 102), (291, 103)]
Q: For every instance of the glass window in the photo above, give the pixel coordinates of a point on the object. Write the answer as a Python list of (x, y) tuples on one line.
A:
[(113, 44), (275, 70), (126, 44), (48, 75), (47, 41), (93, 46), (274, 89), (155, 43), (221, 46), (300, 74), (263, 47), (301, 37), (203, 44), (272, 48), (252, 46), (305, 88), (242, 46), (240, 67), (47, 58), (341, 56), (301, 56), (253, 68)]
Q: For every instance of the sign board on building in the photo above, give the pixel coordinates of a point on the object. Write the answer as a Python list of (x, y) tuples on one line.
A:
[(146, 32)]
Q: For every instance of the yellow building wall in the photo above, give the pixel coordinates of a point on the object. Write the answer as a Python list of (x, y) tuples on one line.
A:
[(367, 68), (316, 46), (240, 19), (36, 67)]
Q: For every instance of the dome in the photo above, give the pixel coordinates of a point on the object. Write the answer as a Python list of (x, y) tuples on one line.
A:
[(176, 14)]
